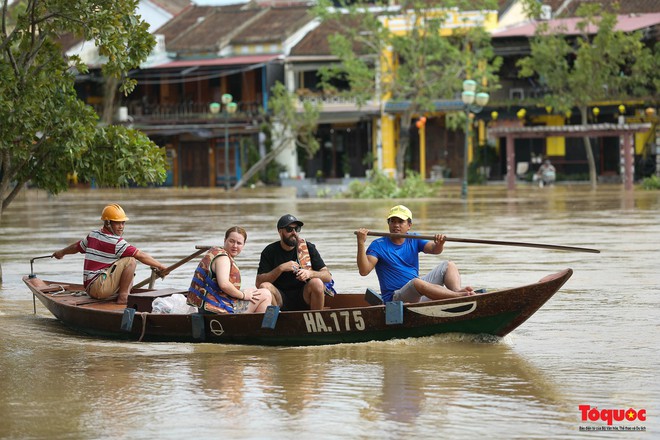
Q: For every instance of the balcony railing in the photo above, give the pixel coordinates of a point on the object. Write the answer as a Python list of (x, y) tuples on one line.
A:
[(139, 111), (327, 100)]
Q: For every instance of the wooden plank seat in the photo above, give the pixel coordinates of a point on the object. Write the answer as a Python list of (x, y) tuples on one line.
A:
[(71, 295), (55, 288), (141, 301)]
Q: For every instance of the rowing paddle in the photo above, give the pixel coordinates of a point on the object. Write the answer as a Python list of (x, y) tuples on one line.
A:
[(500, 243), (155, 274)]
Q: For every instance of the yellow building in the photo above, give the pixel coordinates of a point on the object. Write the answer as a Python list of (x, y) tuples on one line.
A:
[(389, 125)]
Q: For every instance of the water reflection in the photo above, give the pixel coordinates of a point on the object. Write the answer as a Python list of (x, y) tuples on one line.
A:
[(394, 381), (87, 383)]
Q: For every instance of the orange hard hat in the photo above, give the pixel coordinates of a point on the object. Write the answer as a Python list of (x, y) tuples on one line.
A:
[(114, 213)]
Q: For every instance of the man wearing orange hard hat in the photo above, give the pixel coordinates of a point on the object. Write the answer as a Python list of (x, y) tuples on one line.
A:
[(110, 261)]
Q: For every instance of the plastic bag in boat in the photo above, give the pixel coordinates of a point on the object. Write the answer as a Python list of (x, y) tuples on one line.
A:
[(175, 304)]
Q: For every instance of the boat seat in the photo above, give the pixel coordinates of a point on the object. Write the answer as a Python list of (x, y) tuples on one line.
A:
[(141, 301), (55, 288)]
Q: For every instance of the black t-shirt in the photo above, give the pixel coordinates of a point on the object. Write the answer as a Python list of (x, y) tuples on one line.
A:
[(272, 256)]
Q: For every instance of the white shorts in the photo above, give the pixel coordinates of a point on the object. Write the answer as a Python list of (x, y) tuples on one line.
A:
[(409, 294)]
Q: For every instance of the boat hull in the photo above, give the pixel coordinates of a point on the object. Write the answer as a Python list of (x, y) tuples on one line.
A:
[(349, 318)]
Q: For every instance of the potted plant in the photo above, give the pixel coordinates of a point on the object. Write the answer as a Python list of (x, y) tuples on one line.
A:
[(346, 166)]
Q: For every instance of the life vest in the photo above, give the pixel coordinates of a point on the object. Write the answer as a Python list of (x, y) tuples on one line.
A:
[(305, 262), (204, 291)]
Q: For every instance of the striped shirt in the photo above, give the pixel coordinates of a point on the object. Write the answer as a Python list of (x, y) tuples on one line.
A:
[(102, 248)]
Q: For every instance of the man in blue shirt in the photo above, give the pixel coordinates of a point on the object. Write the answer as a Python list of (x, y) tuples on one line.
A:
[(397, 263)]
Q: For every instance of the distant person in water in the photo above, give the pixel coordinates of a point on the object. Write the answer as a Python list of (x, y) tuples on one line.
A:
[(110, 262), (396, 261), (546, 174)]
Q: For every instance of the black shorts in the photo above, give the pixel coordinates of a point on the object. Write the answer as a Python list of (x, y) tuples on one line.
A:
[(293, 300)]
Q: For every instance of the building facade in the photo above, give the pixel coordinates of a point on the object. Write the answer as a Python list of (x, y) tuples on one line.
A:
[(206, 52)]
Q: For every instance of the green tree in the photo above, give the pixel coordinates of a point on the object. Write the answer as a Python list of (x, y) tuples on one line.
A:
[(46, 131), (608, 65), (416, 67), (287, 125)]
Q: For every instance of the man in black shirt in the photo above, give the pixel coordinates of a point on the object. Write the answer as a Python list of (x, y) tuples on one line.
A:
[(292, 269)]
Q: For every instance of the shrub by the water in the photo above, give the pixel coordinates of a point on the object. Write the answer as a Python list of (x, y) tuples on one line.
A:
[(651, 182), (381, 186)]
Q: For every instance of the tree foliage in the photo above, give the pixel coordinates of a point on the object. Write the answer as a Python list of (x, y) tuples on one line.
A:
[(417, 66), (287, 125), (46, 131), (578, 71)]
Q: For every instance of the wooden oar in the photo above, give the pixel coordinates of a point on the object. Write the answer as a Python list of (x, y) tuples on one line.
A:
[(494, 242), (155, 274)]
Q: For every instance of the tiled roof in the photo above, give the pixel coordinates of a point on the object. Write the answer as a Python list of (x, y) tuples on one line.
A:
[(503, 5), (68, 40), (213, 31), (275, 24), (315, 43), (624, 6), (182, 22), (172, 6), (568, 26), (208, 29)]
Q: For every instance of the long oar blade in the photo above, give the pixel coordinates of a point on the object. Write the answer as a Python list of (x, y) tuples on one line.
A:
[(201, 250), (493, 242)]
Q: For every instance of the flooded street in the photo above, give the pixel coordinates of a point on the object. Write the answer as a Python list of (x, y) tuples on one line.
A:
[(594, 343)]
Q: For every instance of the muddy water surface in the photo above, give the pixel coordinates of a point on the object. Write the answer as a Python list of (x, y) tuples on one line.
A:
[(594, 343)]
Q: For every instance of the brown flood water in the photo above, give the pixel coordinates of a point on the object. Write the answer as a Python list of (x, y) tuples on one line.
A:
[(595, 343)]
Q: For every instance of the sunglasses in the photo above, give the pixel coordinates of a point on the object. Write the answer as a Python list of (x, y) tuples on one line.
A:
[(292, 228)]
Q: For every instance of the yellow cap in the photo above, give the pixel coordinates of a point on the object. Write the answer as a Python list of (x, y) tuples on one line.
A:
[(401, 212)]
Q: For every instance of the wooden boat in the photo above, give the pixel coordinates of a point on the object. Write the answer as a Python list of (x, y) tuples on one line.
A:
[(347, 318)]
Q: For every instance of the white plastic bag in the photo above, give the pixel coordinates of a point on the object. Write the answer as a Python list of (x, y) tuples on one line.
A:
[(175, 304)]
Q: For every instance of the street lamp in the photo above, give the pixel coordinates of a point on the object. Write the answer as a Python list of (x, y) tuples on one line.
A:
[(230, 108), (474, 103), (622, 114)]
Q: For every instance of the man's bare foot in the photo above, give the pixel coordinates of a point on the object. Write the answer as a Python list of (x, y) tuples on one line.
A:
[(467, 291)]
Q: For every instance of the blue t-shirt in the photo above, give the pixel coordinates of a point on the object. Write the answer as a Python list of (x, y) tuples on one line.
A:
[(397, 264)]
